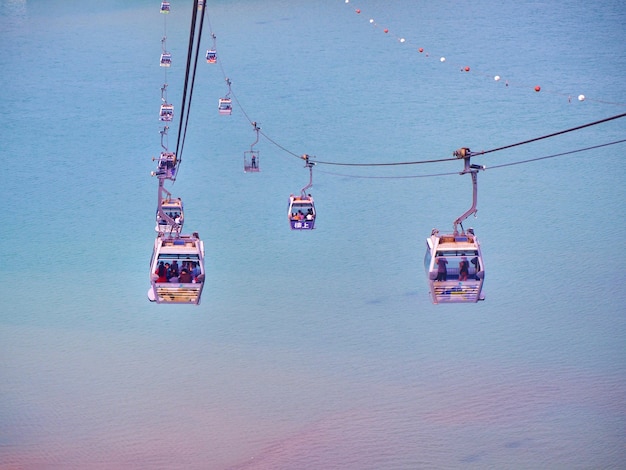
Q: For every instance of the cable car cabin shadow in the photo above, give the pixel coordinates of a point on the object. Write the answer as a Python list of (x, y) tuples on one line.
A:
[(177, 270), (251, 161), (167, 112), (454, 268), (225, 106), (211, 56), (301, 212)]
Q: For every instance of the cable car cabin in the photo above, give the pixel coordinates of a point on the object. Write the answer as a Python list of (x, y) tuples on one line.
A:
[(166, 59), (200, 4), (167, 166), (211, 56), (251, 161), (173, 209), (225, 106), (301, 212), (165, 7), (454, 267), (167, 112), (177, 270)]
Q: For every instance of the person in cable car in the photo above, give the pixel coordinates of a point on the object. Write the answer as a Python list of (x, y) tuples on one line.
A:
[(442, 270)]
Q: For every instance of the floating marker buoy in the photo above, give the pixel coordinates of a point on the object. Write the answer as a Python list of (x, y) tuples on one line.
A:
[(358, 11), (386, 30), (581, 97), (496, 78), (537, 88), (443, 59), (402, 39), (467, 69), (421, 49), (371, 20)]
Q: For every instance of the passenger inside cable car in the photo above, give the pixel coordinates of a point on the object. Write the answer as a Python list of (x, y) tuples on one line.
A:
[(166, 59), (225, 106), (167, 112), (211, 56), (251, 161), (301, 212)]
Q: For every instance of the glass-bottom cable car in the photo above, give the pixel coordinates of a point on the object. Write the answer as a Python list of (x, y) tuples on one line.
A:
[(177, 270)]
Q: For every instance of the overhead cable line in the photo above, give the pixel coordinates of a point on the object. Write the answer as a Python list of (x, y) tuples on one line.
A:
[(484, 168)]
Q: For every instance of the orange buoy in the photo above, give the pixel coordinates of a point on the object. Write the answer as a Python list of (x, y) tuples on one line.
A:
[(467, 69), (421, 49), (386, 30), (537, 88), (358, 11)]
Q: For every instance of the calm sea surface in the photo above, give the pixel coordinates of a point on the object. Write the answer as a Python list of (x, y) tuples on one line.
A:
[(315, 350)]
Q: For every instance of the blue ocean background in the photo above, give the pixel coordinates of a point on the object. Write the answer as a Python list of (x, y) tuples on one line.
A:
[(314, 350)]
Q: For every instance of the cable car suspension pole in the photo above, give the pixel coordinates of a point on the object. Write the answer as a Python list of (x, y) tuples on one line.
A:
[(473, 170), (309, 165)]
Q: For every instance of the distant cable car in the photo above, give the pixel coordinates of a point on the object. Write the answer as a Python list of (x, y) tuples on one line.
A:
[(170, 217), (165, 7), (200, 4), (166, 167), (453, 262), (167, 112), (301, 212), (225, 106), (177, 269), (166, 59), (211, 56), (251, 157)]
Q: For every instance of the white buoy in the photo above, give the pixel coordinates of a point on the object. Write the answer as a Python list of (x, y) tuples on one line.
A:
[(443, 59), (496, 78), (581, 97)]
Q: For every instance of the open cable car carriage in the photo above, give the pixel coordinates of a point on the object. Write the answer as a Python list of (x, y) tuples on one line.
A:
[(453, 262), (251, 157), (225, 105), (301, 211), (177, 269)]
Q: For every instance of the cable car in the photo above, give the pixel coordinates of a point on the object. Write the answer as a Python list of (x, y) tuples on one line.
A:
[(454, 262), (166, 59), (454, 266), (166, 167), (200, 4), (167, 112), (211, 56), (251, 157), (225, 106), (165, 7), (177, 269), (171, 216), (301, 212)]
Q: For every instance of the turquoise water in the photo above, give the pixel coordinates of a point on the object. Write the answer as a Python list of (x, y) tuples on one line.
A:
[(322, 349)]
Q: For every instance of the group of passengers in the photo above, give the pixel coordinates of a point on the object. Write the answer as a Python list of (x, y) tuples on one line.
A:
[(188, 273), (301, 216), (442, 271)]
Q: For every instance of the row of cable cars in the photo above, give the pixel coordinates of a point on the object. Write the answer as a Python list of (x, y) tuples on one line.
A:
[(177, 265)]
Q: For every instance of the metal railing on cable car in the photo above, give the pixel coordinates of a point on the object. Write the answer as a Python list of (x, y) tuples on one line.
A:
[(453, 261)]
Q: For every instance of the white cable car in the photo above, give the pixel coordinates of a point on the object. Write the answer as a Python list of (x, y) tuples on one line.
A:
[(200, 4), (211, 56), (165, 7), (251, 157), (177, 270), (454, 266), (301, 212), (167, 112), (225, 106), (166, 167), (170, 217), (166, 59), (453, 262)]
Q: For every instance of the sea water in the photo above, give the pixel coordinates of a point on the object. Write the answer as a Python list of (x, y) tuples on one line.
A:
[(320, 349)]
